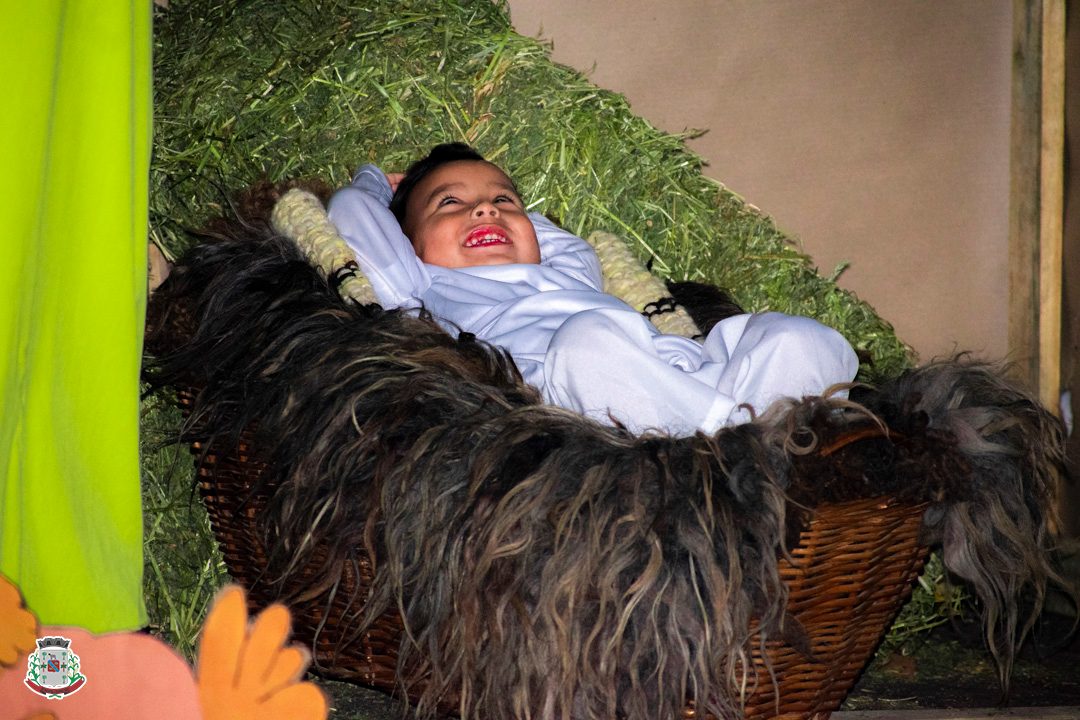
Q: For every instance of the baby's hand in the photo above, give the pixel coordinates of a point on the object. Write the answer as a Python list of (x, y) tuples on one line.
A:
[(394, 179)]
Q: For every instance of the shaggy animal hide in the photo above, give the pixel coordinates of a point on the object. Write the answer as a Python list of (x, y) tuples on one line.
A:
[(545, 565)]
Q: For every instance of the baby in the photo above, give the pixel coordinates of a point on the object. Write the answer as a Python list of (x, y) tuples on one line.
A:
[(456, 239)]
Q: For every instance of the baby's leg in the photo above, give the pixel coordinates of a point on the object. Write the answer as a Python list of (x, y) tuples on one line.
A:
[(611, 363), (773, 355)]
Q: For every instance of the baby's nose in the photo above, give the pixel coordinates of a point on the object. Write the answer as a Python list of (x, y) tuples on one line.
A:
[(485, 207)]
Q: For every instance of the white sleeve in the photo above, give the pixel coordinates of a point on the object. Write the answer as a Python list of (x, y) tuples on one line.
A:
[(371, 231), (567, 253)]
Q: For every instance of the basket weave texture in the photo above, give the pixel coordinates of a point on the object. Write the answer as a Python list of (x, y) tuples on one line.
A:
[(847, 578)]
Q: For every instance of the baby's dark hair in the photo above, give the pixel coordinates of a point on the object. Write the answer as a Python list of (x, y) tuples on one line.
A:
[(439, 155)]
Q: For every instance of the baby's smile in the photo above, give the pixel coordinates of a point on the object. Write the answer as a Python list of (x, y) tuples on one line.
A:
[(486, 235)]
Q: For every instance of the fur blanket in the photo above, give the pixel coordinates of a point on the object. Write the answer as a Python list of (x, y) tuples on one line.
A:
[(544, 564)]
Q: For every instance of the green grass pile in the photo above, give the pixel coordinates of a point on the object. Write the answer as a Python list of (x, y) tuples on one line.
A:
[(183, 567)]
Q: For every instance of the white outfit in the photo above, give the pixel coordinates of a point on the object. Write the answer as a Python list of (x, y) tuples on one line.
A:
[(584, 349)]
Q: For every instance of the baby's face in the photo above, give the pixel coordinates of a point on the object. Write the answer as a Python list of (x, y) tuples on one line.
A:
[(467, 213)]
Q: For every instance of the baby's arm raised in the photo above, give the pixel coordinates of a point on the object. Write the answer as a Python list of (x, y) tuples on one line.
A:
[(566, 252), (385, 255)]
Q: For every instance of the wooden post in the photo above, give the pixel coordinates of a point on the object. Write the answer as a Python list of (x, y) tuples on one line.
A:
[(1036, 207), (1025, 140), (1051, 201)]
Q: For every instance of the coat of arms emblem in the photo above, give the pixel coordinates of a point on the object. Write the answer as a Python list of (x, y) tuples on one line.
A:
[(53, 669)]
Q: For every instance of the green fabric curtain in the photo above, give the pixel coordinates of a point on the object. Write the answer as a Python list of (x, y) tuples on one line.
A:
[(76, 149)]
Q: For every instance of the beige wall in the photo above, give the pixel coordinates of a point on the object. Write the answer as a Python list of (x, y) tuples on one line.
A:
[(875, 132)]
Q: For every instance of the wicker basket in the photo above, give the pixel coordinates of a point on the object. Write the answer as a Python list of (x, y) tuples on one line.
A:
[(852, 570)]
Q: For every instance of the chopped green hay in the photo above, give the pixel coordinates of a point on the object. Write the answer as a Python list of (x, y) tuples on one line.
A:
[(934, 602), (246, 90), (183, 567)]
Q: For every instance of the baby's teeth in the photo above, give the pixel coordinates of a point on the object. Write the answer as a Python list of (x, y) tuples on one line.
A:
[(485, 238)]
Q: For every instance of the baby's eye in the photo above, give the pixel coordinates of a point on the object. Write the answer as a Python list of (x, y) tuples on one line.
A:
[(448, 200), (504, 198)]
